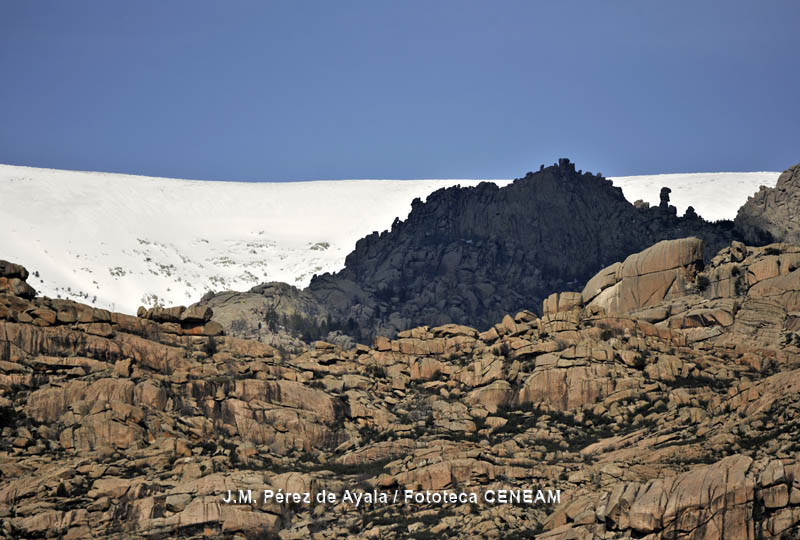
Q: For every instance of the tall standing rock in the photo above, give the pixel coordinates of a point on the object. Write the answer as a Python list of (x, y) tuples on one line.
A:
[(664, 198)]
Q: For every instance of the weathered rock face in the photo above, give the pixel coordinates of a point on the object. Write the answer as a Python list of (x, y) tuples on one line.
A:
[(274, 313), (712, 501), (194, 321), (469, 256), (771, 215), (662, 272), (676, 420)]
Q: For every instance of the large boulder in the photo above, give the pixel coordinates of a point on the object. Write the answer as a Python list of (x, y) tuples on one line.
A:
[(11, 270), (12, 280), (771, 273), (663, 271)]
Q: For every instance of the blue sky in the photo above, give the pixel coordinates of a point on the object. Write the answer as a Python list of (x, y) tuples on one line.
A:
[(377, 89)]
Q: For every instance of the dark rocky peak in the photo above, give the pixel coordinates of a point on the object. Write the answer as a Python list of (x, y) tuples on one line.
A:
[(471, 255)]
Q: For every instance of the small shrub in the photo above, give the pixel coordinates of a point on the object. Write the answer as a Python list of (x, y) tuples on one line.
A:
[(272, 319), (702, 283), (210, 348), (376, 371), (640, 361), (9, 417), (502, 350), (740, 285), (209, 447)]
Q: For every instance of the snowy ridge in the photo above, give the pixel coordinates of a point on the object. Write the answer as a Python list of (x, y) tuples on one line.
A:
[(119, 241)]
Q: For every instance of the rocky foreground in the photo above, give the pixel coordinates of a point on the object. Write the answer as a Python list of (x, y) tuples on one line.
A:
[(661, 401)]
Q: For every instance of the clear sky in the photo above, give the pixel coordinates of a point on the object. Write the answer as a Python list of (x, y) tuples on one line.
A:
[(399, 89)]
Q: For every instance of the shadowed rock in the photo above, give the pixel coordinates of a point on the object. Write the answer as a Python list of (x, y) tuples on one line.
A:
[(771, 214)]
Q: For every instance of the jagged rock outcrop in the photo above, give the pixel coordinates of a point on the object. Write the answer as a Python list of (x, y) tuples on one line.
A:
[(467, 256), (719, 500), (755, 290), (470, 255), (771, 214)]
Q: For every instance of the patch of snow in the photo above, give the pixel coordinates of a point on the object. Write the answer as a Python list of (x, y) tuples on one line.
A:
[(119, 241)]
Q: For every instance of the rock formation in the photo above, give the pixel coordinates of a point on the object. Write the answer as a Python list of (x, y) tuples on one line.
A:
[(467, 256), (470, 255), (672, 412), (664, 271), (772, 213)]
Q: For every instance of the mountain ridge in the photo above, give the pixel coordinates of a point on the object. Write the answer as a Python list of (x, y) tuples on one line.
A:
[(471, 255)]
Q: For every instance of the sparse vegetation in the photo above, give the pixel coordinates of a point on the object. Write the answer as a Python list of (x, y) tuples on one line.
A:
[(503, 350), (117, 271), (210, 347), (640, 361), (702, 282), (375, 371)]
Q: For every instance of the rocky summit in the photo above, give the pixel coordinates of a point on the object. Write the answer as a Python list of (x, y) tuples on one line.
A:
[(471, 255), (658, 399)]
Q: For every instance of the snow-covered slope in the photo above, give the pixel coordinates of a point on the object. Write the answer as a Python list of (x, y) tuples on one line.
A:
[(120, 241)]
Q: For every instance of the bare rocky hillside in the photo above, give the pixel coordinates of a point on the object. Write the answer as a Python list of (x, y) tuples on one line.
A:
[(661, 400)]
